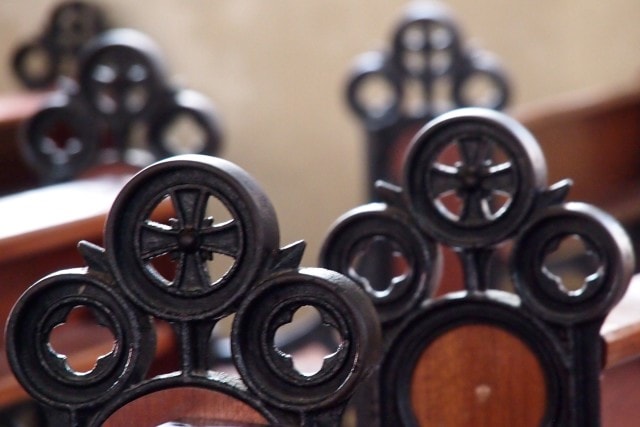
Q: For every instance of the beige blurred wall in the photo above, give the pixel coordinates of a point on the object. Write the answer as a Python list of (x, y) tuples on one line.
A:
[(276, 71)]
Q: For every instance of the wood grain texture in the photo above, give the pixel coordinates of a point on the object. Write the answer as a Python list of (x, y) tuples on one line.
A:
[(185, 404), (475, 376)]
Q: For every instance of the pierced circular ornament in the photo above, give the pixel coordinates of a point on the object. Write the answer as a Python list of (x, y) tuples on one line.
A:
[(163, 263), (426, 44), (472, 177), (73, 24), (35, 64), (45, 373), (199, 134), (376, 243), (270, 373), (374, 92), (59, 141), (603, 237), (483, 85), (121, 80)]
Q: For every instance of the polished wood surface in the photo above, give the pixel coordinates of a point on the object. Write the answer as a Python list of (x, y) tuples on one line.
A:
[(593, 138), (186, 404), (40, 228), (620, 395), (621, 331), (56, 216), (620, 401), (467, 376)]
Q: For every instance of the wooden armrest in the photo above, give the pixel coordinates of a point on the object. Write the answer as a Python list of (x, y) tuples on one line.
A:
[(56, 216), (621, 329), (14, 108), (592, 137), (621, 334), (40, 229)]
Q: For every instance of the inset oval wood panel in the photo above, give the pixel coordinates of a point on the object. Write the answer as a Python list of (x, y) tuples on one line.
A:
[(183, 404), (478, 376)]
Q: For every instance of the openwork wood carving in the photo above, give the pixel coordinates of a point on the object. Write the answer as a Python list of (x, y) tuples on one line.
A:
[(427, 71), (475, 181), (166, 269), (39, 62), (121, 108)]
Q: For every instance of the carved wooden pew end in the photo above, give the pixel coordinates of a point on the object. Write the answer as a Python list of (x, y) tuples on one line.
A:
[(166, 269), (474, 180)]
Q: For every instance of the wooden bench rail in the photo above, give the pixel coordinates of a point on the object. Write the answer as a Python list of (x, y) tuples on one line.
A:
[(55, 216), (621, 330), (594, 138)]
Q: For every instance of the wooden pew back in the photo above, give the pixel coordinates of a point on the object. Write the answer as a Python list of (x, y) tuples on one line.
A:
[(475, 181)]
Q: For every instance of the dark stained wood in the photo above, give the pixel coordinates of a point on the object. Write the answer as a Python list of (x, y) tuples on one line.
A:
[(467, 374), (450, 380), (15, 175)]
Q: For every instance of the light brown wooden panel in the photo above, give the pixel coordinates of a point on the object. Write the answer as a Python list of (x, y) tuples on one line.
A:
[(185, 404), (467, 374)]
